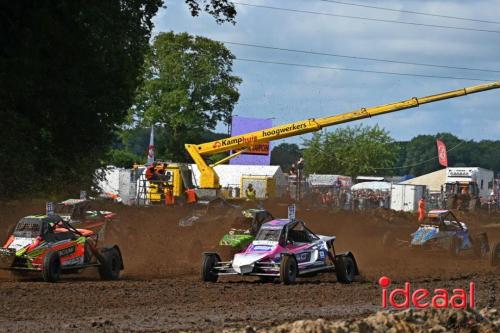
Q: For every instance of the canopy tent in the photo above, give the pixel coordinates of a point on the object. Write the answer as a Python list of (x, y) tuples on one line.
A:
[(328, 180), (433, 181), (382, 186)]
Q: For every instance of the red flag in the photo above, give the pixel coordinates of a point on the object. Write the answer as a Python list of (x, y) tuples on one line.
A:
[(443, 156)]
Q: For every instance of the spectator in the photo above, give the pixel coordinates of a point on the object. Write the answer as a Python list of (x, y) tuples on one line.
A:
[(151, 173), (421, 209), (250, 192), (342, 199), (191, 196)]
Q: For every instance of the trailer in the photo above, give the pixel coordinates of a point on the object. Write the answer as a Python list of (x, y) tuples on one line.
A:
[(405, 197), (467, 187)]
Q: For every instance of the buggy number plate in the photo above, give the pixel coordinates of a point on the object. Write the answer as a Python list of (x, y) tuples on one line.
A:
[(67, 251)]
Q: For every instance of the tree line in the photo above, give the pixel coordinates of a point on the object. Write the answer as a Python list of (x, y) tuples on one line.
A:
[(74, 74), (360, 150), (81, 83)]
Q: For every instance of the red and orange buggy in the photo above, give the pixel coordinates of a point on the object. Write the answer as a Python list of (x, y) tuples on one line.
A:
[(51, 245)]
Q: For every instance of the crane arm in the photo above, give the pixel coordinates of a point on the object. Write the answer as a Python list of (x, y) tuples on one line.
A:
[(209, 178)]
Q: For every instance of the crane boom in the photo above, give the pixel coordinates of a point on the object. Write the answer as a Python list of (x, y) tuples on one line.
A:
[(209, 178)]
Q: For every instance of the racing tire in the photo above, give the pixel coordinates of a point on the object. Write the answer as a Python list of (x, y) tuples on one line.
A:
[(481, 245), (207, 267), (495, 255), (288, 269), (51, 269), (345, 268), (454, 247), (112, 264)]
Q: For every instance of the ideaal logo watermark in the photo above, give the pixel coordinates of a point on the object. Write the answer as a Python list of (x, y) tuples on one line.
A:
[(404, 298)]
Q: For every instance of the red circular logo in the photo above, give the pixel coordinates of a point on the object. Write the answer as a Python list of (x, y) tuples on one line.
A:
[(384, 281)]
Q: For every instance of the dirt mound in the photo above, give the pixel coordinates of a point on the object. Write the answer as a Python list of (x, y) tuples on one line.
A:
[(405, 321)]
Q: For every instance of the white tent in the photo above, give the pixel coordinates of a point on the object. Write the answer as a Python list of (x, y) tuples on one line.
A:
[(328, 180), (383, 186), (433, 181)]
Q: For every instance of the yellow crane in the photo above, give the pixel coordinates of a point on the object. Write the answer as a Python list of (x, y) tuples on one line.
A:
[(209, 180)]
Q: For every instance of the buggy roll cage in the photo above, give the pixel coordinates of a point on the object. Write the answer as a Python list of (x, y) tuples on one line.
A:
[(62, 223), (293, 224), (452, 219)]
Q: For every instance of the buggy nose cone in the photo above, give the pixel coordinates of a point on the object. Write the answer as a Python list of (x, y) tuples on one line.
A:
[(244, 269), (423, 235), (243, 263)]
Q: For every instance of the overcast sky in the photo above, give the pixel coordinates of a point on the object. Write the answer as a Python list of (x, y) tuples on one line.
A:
[(294, 93)]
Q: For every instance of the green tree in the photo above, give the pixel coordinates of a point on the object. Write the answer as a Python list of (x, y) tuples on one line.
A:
[(69, 71), (221, 10), (284, 155), (419, 155), (188, 88), (130, 146), (350, 151)]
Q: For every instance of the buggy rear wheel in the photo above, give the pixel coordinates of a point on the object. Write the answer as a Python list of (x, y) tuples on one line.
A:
[(288, 269), (345, 268), (110, 268), (495, 255), (51, 269), (208, 273)]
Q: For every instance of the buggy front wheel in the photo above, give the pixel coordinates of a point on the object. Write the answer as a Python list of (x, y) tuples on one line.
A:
[(208, 273), (51, 269), (288, 269), (345, 268), (111, 265)]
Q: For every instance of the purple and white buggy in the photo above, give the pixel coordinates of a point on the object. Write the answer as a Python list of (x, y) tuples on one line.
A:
[(283, 249)]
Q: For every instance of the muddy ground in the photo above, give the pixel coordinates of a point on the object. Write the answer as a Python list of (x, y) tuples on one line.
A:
[(161, 291)]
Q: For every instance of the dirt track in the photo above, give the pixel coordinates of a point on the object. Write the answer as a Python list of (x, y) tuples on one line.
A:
[(161, 290)]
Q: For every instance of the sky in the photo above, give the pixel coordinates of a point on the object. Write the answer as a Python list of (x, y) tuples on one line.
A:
[(291, 93)]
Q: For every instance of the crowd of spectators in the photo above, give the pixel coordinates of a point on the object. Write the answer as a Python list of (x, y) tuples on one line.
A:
[(367, 198)]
